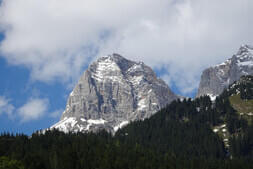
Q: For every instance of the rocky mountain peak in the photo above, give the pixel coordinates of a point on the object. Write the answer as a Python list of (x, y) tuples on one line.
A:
[(216, 78), (112, 92), (244, 49)]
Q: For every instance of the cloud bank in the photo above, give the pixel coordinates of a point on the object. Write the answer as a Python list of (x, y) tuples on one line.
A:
[(33, 109), (56, 38)]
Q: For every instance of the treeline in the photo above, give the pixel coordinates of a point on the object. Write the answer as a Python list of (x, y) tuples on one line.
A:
[(56, 150)]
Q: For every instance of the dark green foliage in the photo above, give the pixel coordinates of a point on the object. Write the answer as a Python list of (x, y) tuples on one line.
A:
[(6, 163), (56, 150), (241, 139), (242, 143), (182, 128), (244, 87)]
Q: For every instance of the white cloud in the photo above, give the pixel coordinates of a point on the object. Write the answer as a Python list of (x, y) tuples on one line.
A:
[(55, 38), (6, 107), (34, 109)]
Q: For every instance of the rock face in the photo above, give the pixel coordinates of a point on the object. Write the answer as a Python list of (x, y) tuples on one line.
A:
[(215, 79), (112, 92)]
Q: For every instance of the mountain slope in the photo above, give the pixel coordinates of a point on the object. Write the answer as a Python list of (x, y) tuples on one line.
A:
[(240, 95), (200, 127), (112, 92), (215, 79)]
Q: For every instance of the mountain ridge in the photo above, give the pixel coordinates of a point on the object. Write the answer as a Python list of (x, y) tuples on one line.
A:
[(114, 91)]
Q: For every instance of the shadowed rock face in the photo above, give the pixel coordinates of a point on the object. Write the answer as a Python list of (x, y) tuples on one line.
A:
[(215, 79), (112, 92)]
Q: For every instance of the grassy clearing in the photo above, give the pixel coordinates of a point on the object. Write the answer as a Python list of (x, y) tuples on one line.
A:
[(243, 107)]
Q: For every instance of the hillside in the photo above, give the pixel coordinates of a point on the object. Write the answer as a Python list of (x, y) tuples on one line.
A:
[(242, 98)]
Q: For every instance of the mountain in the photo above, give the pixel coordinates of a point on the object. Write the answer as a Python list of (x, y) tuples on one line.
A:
[(216, 78), (112, 92)]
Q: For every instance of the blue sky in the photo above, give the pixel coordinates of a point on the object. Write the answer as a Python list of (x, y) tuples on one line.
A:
[(16, 86), (46, 45)]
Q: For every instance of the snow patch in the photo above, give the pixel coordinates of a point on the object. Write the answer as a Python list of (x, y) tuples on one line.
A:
[(246, 63), (224, 130), (67, 108), (135, 67), (221, 127), (227, 62), (72, 93), (225, 140), (82, 119), (64, 124), (99, 121), (119, 126), (212, 96), (150, 91), (107, 70), (141, 104), (94, 122), (88, 127), (215, 130), (224, 125), (136, 80), (250, 114), (69, 123)]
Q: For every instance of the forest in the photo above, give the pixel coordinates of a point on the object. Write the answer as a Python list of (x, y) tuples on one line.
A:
[(179, 136)]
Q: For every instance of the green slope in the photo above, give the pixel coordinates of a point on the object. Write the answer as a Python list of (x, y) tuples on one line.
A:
[(244, 108)]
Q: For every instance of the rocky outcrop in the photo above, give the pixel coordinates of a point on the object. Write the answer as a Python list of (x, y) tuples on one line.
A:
[(215, 79), (112, 92)]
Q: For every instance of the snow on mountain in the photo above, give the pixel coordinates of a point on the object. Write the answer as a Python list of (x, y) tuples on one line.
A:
[(112, 92), (216, 78)]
